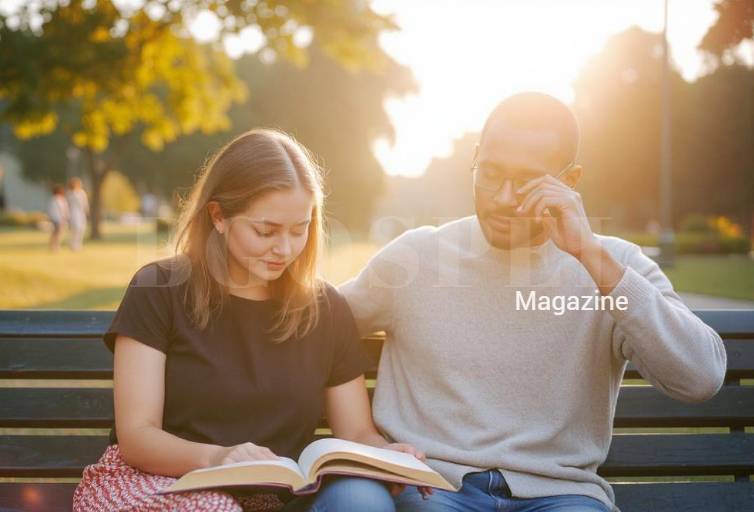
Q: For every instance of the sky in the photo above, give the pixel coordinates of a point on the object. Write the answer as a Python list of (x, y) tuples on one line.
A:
[(467, 55)]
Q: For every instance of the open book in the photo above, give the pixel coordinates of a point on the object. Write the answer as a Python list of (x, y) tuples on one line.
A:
[(328, 456)]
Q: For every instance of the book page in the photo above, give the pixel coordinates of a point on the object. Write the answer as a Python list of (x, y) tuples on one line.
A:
[(352, 468), (283, 471), (281, 461), (318, 451)]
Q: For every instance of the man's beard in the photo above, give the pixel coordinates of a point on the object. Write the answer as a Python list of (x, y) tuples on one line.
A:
[(523, 230)]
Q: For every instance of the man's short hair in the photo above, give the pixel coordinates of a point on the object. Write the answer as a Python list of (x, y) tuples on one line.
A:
[(538, 111)]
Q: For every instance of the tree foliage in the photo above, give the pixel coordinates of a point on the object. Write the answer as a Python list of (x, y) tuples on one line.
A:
[(335, 112), (150, 77), (734, 24), (617, 103), (102, 75)]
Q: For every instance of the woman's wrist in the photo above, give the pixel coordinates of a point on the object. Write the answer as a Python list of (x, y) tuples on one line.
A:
[(372, 439), (211, 455)]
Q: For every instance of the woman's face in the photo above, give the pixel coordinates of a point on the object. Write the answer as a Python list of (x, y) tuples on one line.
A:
[(263, 240)]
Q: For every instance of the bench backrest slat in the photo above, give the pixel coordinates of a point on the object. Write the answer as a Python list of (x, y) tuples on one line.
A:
[(638, 407), (730, 323)]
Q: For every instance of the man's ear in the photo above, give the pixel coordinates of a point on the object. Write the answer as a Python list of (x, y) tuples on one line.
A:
[(573, 175)]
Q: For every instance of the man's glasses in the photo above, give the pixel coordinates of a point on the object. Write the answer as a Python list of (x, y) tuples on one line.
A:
[(492, 182)]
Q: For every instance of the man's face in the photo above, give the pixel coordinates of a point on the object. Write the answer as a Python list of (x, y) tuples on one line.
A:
[(506, 159)]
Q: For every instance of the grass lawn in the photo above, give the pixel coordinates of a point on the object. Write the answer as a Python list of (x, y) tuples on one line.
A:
[(722, 276), (95, 277)]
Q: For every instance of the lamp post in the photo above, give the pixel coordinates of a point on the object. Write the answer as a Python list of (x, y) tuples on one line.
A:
[(666, 213)]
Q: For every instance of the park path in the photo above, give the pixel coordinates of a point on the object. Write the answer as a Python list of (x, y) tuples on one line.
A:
[(697, 301)]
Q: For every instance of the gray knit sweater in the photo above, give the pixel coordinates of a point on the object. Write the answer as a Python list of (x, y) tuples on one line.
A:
[(477, 384)]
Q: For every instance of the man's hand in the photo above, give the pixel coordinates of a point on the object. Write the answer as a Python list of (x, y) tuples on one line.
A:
[(396, 489), (561, 212)]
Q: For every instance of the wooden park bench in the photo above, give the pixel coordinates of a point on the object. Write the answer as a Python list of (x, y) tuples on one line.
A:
[(56, 406)]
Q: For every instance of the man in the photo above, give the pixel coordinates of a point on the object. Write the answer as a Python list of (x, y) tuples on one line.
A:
[(508, 332)]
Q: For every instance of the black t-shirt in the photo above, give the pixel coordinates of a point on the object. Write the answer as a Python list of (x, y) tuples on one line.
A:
[(229, 383)]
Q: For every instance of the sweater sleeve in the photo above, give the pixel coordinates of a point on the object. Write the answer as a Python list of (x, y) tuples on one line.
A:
[(371, 295), (670, 346)]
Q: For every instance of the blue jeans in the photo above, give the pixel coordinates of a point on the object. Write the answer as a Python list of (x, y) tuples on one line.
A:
[(487, 491), (345, 494)]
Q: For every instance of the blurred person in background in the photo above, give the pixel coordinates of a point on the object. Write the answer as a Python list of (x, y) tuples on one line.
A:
[(2, 189), (57, 210), (78, 206)]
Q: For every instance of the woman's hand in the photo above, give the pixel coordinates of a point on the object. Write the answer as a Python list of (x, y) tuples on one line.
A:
[(396, 489), (240, 453)]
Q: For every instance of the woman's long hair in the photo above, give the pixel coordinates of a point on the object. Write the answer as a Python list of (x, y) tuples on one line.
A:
[(253, 164)]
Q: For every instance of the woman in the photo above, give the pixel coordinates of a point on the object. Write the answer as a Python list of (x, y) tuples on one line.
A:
[(231, 350)]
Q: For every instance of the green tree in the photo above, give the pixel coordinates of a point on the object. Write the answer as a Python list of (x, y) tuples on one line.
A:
[(617, 102), (75, 68), (444, 192), (105, 77), (716, 154), (335, 112)]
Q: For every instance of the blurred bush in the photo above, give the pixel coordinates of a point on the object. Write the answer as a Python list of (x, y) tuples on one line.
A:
[(701, 235), (118, 195), (710, 243), (696, 223), (18, 218)]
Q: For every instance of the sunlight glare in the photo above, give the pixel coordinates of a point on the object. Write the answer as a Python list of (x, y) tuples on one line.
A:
[(467, 55)]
